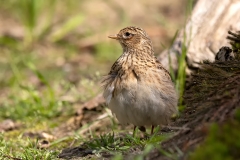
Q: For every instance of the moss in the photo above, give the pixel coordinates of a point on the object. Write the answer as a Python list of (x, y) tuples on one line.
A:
[(235, 43), (214, 89), (222, 142)]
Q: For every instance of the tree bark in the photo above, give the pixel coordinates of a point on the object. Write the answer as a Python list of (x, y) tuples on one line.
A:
[(205, 32)]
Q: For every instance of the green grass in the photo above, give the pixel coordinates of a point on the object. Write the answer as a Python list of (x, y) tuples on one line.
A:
[(45, 75), (180, 78), (222, 142), (30, 12), (22, 148), (36, 97), (25, 100), (116, 145)]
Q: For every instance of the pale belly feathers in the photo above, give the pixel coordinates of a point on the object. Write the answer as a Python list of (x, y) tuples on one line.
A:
[(142, 104)]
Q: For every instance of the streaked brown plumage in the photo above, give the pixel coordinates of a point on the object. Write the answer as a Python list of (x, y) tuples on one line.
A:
[(138, 89)]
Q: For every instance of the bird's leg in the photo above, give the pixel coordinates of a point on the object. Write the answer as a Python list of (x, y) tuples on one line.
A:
[(152, 129)]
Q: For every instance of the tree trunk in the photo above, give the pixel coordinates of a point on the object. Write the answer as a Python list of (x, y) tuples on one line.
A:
[(205, 32)]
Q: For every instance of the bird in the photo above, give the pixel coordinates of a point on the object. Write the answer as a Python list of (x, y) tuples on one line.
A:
[(138, 89)]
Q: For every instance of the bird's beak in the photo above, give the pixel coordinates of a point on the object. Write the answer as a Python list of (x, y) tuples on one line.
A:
[(113, 36)]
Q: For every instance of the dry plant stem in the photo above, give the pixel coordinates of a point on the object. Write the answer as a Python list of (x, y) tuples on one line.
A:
[(94, 124)]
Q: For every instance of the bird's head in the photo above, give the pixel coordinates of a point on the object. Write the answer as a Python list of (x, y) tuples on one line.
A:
[(132, 38)]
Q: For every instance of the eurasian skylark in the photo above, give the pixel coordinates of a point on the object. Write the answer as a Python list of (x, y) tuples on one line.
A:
[(138, 89)]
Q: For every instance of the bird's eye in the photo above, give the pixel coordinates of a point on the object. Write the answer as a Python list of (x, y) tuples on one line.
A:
[(127, 34)]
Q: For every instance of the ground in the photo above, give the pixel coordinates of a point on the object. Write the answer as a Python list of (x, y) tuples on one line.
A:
[(53, 57)]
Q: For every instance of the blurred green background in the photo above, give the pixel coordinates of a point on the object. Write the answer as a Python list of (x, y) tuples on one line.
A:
[(54, 53)]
